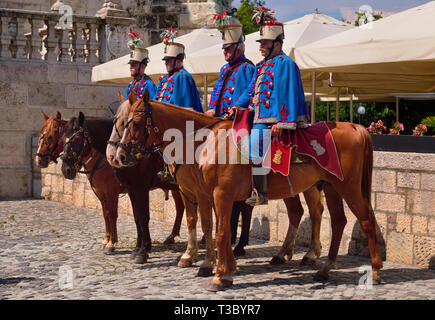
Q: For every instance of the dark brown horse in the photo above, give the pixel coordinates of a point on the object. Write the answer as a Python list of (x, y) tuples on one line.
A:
[(103, 180), (222, 184)]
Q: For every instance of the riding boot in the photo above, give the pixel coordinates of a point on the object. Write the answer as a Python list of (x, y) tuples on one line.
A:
[(259, 193), (166, 176)]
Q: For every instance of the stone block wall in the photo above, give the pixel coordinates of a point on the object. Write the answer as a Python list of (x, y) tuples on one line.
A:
[(403, 198), (27, 88)]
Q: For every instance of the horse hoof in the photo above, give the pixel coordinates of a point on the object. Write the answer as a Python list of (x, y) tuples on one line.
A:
[(141, 258), (169, 240), (276, 261), (134, 253), (185, 263), (213, 287), (205, 272), (308, 261), (239, 252), (319, 276), (109, 250)]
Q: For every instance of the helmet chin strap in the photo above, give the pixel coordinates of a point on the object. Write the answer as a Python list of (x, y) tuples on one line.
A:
[(234, 53), (270, 51)]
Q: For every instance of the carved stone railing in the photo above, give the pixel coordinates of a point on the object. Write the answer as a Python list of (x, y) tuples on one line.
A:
[(30, 35)]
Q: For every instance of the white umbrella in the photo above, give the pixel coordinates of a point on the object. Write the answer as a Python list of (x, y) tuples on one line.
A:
[(118, 71), (298, 32), (403, 43)]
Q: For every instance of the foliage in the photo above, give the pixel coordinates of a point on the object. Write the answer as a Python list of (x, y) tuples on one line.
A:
[(361, 16), (419, 130), (411, 113), (245, 13), (397, 128), (377, 128)]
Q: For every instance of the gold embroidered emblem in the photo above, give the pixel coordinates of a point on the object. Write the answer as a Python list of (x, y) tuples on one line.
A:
[(277, 157)]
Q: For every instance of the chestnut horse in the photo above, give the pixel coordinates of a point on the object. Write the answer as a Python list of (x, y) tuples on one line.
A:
[(293, 204), (222, 184), (103, 181)]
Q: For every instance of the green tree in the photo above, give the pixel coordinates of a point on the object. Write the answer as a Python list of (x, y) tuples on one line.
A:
[(362, 17), (245, 13)]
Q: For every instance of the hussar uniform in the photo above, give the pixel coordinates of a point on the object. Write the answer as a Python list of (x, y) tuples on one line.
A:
[(276, 96), (140, 82), (178, 87), (234, 76)]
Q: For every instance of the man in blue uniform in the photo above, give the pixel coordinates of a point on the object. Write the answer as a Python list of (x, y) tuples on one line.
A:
[(177, 86), (138, 62), (234, 76), (276, 95)]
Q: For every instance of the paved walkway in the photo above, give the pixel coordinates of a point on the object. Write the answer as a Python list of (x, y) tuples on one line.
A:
[(50, 250)]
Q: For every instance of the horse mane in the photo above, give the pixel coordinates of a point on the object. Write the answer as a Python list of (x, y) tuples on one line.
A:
[(188, 113)]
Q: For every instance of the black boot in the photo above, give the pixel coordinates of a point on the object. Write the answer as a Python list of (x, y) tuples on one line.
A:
[(259, 193), (166, 176)]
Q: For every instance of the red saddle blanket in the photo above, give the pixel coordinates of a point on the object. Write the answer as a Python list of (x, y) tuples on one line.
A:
[(315, 141)]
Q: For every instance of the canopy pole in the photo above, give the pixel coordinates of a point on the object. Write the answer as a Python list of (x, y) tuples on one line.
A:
[(337, 106), (351, 108), (397, 109), (205, 105), (313, 98)]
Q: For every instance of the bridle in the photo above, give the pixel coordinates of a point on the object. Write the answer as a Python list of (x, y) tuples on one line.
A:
[(76, 157), (133, 146), (50, 153)]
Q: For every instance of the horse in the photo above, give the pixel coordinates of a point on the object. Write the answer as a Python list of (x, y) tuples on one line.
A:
[(293, 204), (222, 184), (83, 139), (102, 181)]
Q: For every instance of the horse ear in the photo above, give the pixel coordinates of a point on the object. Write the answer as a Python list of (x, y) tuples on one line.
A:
[(146, 96), (121, 97), (44, 115), (81, 118), (58, 116), (132, 98)]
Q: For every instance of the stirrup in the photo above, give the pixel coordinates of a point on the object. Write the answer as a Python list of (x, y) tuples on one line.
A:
[(165, 176), (256, 199)]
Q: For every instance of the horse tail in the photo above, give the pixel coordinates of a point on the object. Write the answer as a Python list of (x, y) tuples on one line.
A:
[(366, 181)]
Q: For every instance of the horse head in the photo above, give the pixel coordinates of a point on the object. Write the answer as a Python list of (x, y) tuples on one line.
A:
[(50, 140), (77, 146), (119, 121), (138, 132)]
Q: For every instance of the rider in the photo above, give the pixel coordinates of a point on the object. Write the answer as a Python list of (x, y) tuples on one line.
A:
[(138, 62), (235, 75), (276, 95), (177, 87)]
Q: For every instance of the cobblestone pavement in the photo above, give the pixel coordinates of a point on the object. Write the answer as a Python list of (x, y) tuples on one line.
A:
[(43, 242)]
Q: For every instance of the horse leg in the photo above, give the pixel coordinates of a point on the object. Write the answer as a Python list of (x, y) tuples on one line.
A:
[(338, 222), (206, 211), (133, 201), (179, 207), (226, 261), (246, 225), (111, 206), (364, 212), (107, 225), (235, 214), (295, 212), (315, 208), (191, 252)]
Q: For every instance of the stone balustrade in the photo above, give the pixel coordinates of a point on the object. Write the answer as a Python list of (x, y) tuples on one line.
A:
[(30, 35)]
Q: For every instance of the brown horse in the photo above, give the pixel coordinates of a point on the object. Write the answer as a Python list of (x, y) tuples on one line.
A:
[(82, 139), (293, 205), (222, 184), (103, 181)]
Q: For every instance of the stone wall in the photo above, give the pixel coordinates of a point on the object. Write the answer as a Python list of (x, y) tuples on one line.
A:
[(26, 89), (403, 197)]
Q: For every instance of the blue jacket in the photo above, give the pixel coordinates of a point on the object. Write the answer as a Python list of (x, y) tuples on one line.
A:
[(237, 82), (140, 83), (179, 89), (276, 93)]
